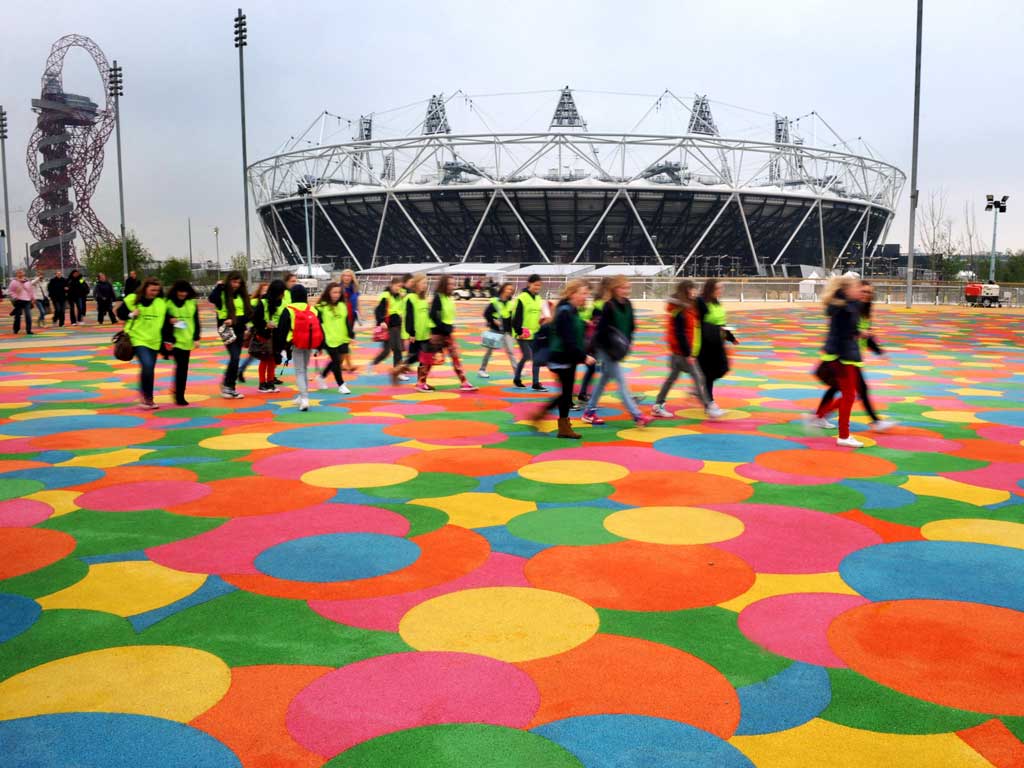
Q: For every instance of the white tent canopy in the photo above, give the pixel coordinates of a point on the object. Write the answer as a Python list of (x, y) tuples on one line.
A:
[(552, 270), (468, 268), (402, 269), (632, 270)]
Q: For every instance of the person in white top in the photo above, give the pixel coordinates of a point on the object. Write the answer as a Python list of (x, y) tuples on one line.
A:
[(39, 297), (20, 292)]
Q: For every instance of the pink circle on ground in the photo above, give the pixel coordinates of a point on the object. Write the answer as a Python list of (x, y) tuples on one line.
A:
[(408, 409), (292, 465), (1002, 476), (149, 494), (1002, 434), (23, 513), (232, 548), (796, 626), (384, 613), (635, 459), (164, 421), (373, 418), (391, 693), (793, 540), (456, 442), (20, 444), (914, 443), (766, 475)]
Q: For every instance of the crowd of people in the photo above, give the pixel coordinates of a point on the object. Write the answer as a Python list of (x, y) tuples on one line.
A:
[(61, 299), (278, 325)]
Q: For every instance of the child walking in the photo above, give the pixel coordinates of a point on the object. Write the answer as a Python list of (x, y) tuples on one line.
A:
[(498, 316), (337, 327), (683, 336), (183, 316), (442, 336)]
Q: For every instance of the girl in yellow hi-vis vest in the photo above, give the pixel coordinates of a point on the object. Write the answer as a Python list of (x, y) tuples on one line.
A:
[(183, 317), (336, 323), (231, 299), (442, 336), (498, 316), (146, 314)]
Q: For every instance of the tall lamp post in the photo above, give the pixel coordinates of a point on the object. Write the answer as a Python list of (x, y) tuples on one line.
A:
[(116, 85), (997, 207), (240, 43), (913, 161), (216, 245), (6, 256)]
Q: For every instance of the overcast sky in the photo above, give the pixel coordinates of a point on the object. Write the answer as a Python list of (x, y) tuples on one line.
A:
[(850, 60)]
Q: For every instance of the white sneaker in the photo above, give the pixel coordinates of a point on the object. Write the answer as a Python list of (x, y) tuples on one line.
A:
[(404, 377), (714, 412), (230, 394), (816, 422), (882, 425), (344, 390), (303, 404), (849, 442), (483, 374), (661, 412), (321, 382)]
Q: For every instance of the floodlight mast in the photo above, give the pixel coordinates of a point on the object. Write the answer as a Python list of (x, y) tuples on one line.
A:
[(997, 207), (913, 161), (115, 84), (240, 43)]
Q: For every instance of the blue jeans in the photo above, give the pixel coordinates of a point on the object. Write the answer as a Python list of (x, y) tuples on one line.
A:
[(147, 361), (611, 369), (22, 308), (526, 347)]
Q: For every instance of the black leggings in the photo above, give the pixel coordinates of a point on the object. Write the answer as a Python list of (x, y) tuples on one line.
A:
[(587, 376), (392, 345), (181, 359), (862, 392), (334, 366), (563, 400), (234, 350)]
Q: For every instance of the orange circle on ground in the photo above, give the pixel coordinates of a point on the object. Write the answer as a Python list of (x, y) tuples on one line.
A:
[(474, 462), (125, 475), (85, 439), (257, 495), (434, 430), (963, 655), (612, 674), (989, 450), (635, 576), (23, 550), (673, 489), (813, 463), (13, 465)]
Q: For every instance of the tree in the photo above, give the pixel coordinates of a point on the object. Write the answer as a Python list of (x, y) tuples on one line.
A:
[(239, 263), (936, 230), (175, 269), (106, 258)]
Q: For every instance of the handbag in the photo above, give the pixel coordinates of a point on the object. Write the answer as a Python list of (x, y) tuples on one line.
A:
[(381, 333), (227, 334), (123, 347), (493, 339), (260, 347), (618, 344), (828, 372)]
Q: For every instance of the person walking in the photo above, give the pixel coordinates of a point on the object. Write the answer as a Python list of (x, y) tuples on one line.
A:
[(526, 321), (131, 283), (266, 320), (683, 335), (350, 287), (183, 317), (591, 316), (568, 350), (303, 334), (336, 323), (103, 292), (78, 293), (254, 300), (21, 293), (498, 316), (866, 341), (231, 299), (57, 289), (388, 314), (612, 341), (840, 357), (442, 336), (416, 326), (39, 298), (713, 358), (145, 316)]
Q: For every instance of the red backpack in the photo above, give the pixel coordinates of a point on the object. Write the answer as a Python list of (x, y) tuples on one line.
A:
[(306, 330)]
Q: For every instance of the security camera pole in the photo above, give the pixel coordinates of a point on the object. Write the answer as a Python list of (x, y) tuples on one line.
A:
[(5, 257)]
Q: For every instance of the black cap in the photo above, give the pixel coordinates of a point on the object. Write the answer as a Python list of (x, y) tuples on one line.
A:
[(533, 279)]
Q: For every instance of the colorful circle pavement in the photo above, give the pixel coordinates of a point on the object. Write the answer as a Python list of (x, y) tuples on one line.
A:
[(400, 579)]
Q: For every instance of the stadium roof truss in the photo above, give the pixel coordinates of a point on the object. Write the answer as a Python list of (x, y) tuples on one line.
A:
[(494, 165)]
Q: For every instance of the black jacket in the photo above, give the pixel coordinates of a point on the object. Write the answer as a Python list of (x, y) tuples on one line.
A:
[(609, 313), (567, 350), (103, 291), (217, 299), (496, 322), (78, 288), (131, 285), (57, 289), (841, 339)]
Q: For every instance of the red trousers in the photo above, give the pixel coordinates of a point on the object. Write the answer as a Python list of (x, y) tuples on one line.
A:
[(847, 382)]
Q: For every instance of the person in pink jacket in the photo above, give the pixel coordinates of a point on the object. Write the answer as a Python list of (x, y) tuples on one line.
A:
[(21, 294)]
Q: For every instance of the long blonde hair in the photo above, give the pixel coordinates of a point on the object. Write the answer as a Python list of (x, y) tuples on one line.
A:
[(572, 286), (355, 281), (844, 283)]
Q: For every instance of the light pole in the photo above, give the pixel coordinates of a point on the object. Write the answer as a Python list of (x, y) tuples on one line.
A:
[(997, 207), (913, 161), (216, 244), (240, 43), (116, 85), (7, 260), (190, 242)]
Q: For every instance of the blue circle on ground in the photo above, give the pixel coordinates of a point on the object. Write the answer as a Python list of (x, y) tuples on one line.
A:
[(17, 614), (792, 393), (67, 394), (335, 436), (880, 495), (1007, 418), (938, 570), (636, 741), (722, 447), (56, 477), (58, 424), (108, 740), (337, 557)]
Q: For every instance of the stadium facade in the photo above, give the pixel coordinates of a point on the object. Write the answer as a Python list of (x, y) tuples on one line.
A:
[(697, 202)]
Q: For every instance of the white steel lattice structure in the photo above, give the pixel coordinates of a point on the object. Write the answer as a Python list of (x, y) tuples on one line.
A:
[(693, 201)]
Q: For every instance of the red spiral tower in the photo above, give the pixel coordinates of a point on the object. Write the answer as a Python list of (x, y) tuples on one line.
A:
[(65, 159)]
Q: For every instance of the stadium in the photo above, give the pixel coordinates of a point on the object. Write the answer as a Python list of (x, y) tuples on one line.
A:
[(674, 194)]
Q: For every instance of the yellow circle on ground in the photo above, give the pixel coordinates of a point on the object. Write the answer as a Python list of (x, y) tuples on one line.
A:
[(11, 406), (652, 434), (244, 441), (573, 472), (953, 417), (157, 680), (27, 382), (507, 623), (673, 525), (126, 588), (946, 488), (29, 415), (108, 459), (698, 413), (421, 397), (477, 510), (998, 532), (192, 398), (359, 475)]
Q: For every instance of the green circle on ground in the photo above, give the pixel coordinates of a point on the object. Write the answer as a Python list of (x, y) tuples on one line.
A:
[(564, 525), (530, 490), (426, 485)]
